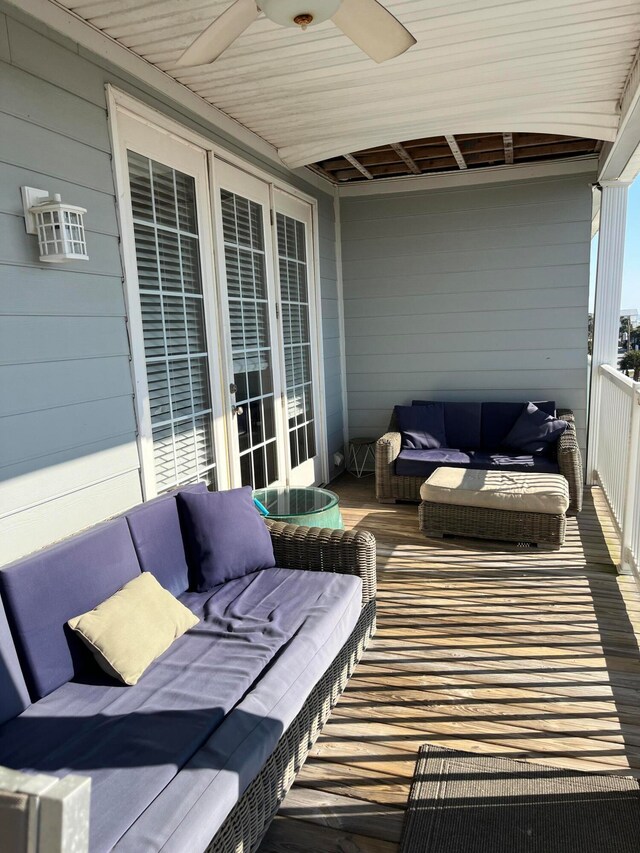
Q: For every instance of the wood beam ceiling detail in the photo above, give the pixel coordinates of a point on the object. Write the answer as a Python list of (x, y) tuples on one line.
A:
[(439, 154), (508, 148), (455, 150)]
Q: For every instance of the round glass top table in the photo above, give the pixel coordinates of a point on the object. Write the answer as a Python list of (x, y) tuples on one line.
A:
[(310, 506)]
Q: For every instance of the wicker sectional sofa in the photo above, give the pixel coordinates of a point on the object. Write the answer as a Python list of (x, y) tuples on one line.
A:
[(393, 482), (200, 753)]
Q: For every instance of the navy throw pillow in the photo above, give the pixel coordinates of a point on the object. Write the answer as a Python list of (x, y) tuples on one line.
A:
[(535, 431), (422, 427), (225, 536)]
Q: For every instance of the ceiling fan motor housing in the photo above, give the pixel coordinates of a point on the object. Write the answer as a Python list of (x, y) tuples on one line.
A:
[(299, 13)]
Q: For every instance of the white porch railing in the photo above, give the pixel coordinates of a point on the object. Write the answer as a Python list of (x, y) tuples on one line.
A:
[(617, 457)]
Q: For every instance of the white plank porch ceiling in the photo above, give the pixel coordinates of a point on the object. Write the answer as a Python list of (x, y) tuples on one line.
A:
[(547, 66)]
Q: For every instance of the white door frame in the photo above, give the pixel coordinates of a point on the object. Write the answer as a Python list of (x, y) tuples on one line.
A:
[(129, 133), (241, 183), (296, 208)]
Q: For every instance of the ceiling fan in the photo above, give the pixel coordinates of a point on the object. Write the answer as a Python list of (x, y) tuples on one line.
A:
[(366, 22)]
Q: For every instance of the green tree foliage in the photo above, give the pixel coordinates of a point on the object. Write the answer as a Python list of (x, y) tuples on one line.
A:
[(631, 362)]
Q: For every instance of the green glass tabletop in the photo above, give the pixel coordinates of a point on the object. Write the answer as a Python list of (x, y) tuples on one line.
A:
[(310, 506)]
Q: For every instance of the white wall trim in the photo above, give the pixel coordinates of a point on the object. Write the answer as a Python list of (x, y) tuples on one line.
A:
[(606, 317), (621, 159), (472, 177), (341, 332), (320, 386)]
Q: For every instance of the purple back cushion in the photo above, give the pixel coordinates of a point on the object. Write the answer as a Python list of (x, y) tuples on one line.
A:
[(535, 431), (422, 427), (157, 537), (14, 697), (461, 424), (225, 536), (498, 420), (43, 591)]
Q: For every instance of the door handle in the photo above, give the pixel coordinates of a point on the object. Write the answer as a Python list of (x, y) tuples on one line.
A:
[(237, 410)]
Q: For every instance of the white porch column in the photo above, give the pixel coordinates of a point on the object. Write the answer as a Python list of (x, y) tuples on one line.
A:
[(606, 317)]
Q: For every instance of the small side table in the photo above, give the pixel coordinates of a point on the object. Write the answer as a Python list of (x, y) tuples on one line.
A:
[(361, 452), (309, 506)]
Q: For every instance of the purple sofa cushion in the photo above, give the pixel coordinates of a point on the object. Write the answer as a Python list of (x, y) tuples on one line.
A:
[(522, 462), (43, 591), (422, 463), (14, 696), (461, 424), (535, 431), (499, 418), (422, 427), (225, 536), (157, 537)]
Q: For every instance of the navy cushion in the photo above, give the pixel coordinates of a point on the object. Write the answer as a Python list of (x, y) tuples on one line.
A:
[(526, 463), (14, 697), (43, 591), (499, 418), (215, 703), (422, 427), (535, 431), (225, 536), (422, 463), (461, 424), (157, 537)]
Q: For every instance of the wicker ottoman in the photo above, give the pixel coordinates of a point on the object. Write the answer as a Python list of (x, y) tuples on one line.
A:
[(499, 505)]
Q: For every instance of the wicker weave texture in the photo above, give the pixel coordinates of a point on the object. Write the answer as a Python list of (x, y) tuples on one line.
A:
[(316, 549), (390, 487), (437, 519), (322, 549)]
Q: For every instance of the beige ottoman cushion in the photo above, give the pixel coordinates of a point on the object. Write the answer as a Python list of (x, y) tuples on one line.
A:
[(510, 491)]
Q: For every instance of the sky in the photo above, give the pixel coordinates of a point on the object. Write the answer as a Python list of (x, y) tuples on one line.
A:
[(631, 274)]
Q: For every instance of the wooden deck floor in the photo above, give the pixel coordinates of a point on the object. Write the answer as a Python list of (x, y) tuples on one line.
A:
[(482, 648)]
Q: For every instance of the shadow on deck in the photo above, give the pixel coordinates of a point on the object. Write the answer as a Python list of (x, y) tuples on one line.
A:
[(481, 647)]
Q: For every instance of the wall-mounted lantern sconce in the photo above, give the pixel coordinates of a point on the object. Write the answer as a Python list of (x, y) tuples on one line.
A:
[(60, 227)]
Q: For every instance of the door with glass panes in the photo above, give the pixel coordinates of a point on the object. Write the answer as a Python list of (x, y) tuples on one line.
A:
[(171, 308), (248, 297), (266, 273), (299, 352)]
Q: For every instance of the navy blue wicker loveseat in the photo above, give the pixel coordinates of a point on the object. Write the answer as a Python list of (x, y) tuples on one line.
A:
[(473, 435)]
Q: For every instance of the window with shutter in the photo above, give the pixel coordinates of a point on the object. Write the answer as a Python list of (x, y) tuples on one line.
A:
[(250, 336), (175, 342), (296, 336)]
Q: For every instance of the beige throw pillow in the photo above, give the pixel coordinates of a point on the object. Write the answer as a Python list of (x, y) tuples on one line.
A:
[(128, 631)]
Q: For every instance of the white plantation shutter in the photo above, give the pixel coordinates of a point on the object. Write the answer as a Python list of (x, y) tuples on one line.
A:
[(251, 346), (175, 341), (296, 332)]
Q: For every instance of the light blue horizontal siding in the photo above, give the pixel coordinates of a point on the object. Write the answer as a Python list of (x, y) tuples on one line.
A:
[(467, 294), (68, 455)]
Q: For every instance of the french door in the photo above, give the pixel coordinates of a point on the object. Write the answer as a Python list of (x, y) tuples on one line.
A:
[(265, 251), (247, 287), (221, 306), (165, 209), (297, 312)]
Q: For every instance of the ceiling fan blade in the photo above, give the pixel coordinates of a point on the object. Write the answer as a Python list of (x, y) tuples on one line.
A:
[(373, 28), (221, 33)]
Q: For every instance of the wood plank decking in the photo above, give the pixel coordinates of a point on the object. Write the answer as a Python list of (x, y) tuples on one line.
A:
[(484, 648)]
